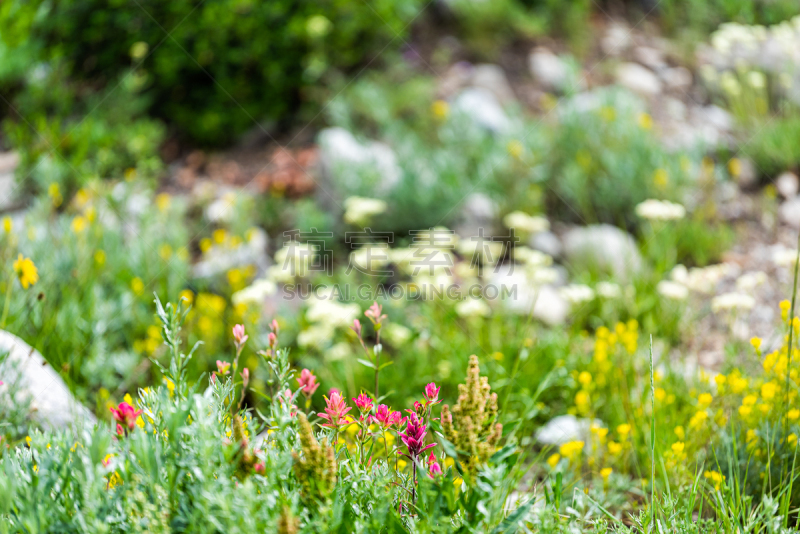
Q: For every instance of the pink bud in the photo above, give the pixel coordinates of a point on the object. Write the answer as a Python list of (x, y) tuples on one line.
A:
[(245, 377), (238, 335), (274, 326), (357, 327), (223, 368), (272, 340)]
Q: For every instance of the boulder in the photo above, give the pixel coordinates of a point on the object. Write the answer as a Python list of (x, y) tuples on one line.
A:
[(638, 79), (29, 380), (789, 212), (549, 70), (787, 185), (602, 247), (493, 79)]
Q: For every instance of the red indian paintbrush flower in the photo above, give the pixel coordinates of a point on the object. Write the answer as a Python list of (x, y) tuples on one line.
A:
[(433, 466), (335, 410), (363, 403), (386, 417), (307, 382), (223, 368), (432, 394), (125, 415), (414, 437), (239, 336)]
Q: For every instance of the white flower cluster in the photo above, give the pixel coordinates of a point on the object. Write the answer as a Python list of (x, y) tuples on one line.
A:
[(292, 261), (577, 293), (524, 223), (359, 211), (473, 307), (732, 301), (255, 293), (326, 314), (672, 290), (660, 210), (701, 279), (784, 257)]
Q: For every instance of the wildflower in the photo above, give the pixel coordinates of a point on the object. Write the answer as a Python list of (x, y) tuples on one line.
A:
[(660, 210), (553, 459), (239, 336), (661, 178), (245, 377), (7, 225), (223, 368), (705, 399), (732, 301), (440, 109), (645, 121), (624, 430), (315, 465), (698, 420), (585, 378), (374, 314), (432, 394), (307, 382), (414, 437), (571, 450), (386, 417), (678, 447), (605, 473), (356, 327), (433, 466), (769, 390), (26, 271), (785, 305), (137, 286), (793, 414), (514, 149), (715, 478), (359, 210), (335, 410), (79, 224), (126, 415), (792, 439), (363, 403), (735, 167), (680, 432), (524, 223)]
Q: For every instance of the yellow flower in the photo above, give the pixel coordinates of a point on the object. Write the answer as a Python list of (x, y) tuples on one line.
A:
[(661, 178), (79, 224), (698, 420), (768, 390), (705, 399), (606, 472), (219, 235), (645, 121), (660, 394), (54, 192), (514, 149), (623, 431), (680, 433), (165, 251), (401, 464), (170, 385), (553, 459), (614, 448), (715, 478), (26, 271), (28, 440), (162, 201), (137, 286), (440, 109), (735, 167), (792, 439), (756, 342), (785, 305), (100, 257), (205, 244), (571, 449), (793, 414), (585, 378), (7, 225), (677, 447), (188, 295)]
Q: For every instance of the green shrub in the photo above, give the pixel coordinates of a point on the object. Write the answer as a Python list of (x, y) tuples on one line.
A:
[(214, 68), (775, 145)]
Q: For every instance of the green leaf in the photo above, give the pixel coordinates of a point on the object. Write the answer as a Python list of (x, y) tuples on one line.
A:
[(366, 363)]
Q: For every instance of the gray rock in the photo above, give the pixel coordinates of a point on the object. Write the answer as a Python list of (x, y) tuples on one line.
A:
[(30, 381), (546, 242), (602, 247), (493, 79), (483, 108), (341, 152), (565, 428), (638, 79), (651, 58), (677, 78), (549, 70), (748, 175), (787, 185), (789, 212), (617, 39)]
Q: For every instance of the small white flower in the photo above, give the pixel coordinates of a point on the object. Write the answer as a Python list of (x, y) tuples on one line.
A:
[(473, 308), (608, 290), (532, 258), (672, 290), (360, 210), (660, 210), (784, 257), (396, 334), (577, 293), (255, 293), (732, 301), (316, 336), (749, 281), (524, 223)]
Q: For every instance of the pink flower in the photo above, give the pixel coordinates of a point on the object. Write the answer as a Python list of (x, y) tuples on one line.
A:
[(223, 368), (363, 402), (414, 437), (245, 377), (274, 326), (335, 410), (272, 340), (433, 466), (386, 417), (308, 382), (356, 327), (432, 394), (374, 313), (419, 409), (239, 336), (213, 378), (126, 415), (259, 467)]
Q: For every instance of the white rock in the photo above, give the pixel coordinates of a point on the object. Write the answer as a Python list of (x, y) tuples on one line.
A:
[(617, 39), (29, 379), (548, 69), (483, 108), (787, 185), (546, 242), (340, 151), (8, 162), (565, 428), (493, 79), (638, 79), (604, 247), (789, 212)]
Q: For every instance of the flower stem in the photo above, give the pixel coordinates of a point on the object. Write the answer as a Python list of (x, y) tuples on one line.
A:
[(7, 304)]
